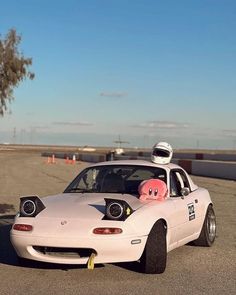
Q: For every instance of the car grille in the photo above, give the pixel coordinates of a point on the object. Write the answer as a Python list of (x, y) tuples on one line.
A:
[(65, 252)]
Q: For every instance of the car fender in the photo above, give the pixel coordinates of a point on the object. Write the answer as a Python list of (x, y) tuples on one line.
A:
[(205, 201), (145, 217)]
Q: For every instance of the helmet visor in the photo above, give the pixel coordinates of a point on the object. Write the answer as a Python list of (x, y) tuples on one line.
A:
[(161, 153)]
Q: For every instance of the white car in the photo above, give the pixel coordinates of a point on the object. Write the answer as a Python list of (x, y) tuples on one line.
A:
[(116, 211)]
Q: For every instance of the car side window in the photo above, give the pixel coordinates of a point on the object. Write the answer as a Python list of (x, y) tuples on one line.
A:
[(178, 180), (184, 179), (174, 185)]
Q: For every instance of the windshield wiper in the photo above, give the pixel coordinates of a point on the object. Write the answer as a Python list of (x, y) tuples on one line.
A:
[(79, 190)]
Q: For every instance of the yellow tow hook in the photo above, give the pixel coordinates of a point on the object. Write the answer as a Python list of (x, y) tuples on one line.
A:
[(90, 264)]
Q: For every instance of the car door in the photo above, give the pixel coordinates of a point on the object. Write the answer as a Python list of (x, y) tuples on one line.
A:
[(186, 207)]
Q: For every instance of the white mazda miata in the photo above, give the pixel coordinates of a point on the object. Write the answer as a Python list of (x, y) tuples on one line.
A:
[(117, 211)]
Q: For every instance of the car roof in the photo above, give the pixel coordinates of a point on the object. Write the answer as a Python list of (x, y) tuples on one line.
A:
[(137, 163)]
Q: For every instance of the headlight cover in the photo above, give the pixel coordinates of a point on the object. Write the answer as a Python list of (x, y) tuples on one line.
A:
[(117, 210), (30, 206)]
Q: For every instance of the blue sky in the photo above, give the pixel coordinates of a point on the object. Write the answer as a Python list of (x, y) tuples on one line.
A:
[(147, 70)]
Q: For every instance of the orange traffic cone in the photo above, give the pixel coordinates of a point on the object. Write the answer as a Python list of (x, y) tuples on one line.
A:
[(53, 159)]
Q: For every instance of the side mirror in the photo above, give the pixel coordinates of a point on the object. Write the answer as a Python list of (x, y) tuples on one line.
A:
[(185, 191)]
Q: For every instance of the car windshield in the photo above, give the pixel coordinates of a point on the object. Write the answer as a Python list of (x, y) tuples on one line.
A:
[(122, 179)]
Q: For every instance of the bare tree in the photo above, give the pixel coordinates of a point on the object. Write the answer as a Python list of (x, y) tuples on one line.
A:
[(13, 68)]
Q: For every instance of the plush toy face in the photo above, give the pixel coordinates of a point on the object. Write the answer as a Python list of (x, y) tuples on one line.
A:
[(152, 189)]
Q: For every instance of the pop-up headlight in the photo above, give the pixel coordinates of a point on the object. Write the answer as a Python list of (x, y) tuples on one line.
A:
[(117, 209), (30, 206)]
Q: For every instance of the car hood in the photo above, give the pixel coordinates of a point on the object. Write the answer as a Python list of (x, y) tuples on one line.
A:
[(83, 205)]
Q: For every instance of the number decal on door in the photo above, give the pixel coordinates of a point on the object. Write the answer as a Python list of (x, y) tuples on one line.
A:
[(191, 211)]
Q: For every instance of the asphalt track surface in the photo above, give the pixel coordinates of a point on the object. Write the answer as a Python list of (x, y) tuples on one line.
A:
[(190, 269)]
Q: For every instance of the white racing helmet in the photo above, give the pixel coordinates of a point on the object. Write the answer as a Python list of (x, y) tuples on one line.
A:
[(162, 153)]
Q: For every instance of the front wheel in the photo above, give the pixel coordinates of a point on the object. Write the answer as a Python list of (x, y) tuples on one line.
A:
[(208, 232), (153, 259)]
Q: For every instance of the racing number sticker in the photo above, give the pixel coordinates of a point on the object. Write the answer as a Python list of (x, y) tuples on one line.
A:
[(191, 211)]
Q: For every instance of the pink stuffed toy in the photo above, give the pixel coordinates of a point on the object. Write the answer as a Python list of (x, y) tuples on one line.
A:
[(152, 189)]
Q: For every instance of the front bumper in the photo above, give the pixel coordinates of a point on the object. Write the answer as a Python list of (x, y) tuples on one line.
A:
[(108, 249)]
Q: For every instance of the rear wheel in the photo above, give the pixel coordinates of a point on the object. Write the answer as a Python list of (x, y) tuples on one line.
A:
[(208, 232), (153, 259)]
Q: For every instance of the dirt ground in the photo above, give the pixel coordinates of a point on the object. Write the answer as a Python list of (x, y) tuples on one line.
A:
[(29, 174), (190, 270)]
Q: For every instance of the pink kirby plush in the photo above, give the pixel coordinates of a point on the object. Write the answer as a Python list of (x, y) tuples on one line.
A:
[(152, 189)]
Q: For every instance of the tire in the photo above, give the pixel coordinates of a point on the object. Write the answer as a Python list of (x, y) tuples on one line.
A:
[(153, 259), (208, 232)]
